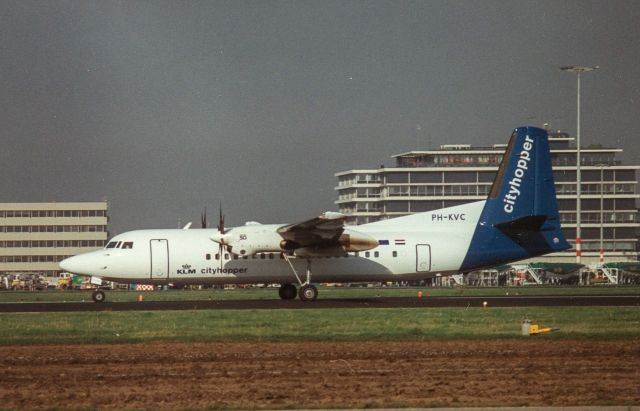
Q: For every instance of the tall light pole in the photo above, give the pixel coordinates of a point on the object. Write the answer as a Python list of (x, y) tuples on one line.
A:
[(578, 70)]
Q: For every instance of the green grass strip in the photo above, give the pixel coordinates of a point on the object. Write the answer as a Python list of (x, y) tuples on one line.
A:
[(316, 325)]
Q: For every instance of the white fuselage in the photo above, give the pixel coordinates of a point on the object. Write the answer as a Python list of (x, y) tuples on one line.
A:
[(412, 247)]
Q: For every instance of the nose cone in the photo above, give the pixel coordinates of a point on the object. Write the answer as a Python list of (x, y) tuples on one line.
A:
[(78, 264)]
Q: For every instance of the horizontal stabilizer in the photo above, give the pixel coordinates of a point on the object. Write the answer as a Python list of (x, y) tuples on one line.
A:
[(530, 223), (526, 231)]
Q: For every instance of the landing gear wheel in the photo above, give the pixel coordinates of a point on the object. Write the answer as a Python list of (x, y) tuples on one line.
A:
[(287, 291), (308, 292), (98, 296)]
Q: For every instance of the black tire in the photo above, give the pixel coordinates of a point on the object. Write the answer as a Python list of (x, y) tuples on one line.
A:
[(308, 292), (98, 296), (287, 291)]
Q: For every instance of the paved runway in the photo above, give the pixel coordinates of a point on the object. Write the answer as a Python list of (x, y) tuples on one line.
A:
[(381, 302)]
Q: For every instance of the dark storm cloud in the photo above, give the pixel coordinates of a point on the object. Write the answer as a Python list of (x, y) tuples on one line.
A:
[(166, 107)]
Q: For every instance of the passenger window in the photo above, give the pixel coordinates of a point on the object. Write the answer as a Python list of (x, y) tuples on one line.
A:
[(270, 256), (208, 256), (395, 253), (376, 254), (217, 256), (127, 245), (226, 256), (367, 254)]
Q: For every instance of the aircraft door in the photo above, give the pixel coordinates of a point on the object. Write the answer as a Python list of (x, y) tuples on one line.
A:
[(159, 258), (423, 258)]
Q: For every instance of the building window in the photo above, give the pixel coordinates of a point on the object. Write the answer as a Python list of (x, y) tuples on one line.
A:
[(397, 178), (460, 177)]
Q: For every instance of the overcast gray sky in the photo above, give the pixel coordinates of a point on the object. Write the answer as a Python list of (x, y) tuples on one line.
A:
[(165, 107)]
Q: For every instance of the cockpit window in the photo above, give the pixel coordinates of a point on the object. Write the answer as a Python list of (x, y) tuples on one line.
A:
[(119, 244)]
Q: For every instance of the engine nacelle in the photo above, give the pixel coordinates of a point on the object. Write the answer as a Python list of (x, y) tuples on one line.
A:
[(288, 245), (254, 247), (354, 241), (249, 240)]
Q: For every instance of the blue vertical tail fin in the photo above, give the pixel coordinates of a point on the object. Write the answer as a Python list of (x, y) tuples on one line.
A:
[(520, 217)]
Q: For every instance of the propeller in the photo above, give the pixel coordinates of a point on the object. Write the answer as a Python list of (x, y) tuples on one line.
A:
[(221, 238)]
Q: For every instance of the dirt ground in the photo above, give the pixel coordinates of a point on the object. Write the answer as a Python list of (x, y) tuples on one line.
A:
[(533, 371)]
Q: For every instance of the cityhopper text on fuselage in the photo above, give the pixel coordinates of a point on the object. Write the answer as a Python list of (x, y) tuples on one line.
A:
[(518, 220)]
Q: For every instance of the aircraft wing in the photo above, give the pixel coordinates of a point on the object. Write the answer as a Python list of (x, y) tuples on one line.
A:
[(322, 230)]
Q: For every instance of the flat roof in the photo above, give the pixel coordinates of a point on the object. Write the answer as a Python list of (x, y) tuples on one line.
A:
[(489, 150), (470, 168), (84, 205)]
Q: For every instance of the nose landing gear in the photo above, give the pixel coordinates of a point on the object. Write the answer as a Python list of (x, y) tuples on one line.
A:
[(98, 296)]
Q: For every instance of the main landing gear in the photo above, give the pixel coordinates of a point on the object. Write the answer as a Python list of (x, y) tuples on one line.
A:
[(307, 291), (98, 296), (287, 291)]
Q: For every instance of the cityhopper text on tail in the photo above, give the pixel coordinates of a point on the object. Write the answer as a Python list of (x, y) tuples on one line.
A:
[(518, 220)]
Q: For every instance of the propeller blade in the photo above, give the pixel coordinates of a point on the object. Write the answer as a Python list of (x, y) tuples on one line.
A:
[(221, 251), (221, 221), (203, 218)]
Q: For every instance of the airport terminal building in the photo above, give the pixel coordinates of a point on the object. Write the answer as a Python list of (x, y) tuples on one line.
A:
[(457, 174), (35, 237)]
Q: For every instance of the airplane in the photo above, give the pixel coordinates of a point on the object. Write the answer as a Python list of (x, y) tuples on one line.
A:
[(518, 220)]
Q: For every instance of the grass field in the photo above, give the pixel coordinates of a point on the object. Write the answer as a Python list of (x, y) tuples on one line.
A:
[(325, 292), (278, 325), (315, 325)]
